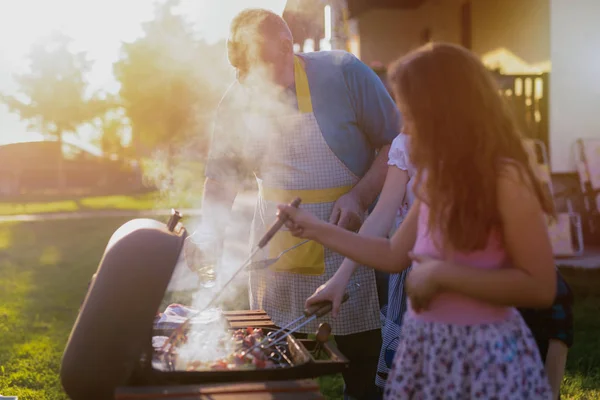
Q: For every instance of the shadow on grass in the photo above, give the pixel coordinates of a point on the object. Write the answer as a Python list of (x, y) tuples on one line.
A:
[(44, 271)]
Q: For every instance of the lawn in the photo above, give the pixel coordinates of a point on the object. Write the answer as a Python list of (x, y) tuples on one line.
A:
[(180, 189), (44, 271), (56, 204)]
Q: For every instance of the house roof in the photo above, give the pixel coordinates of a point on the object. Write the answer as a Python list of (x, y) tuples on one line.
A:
[(358, 7)]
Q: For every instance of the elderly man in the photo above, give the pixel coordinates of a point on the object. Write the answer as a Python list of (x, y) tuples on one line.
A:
[(315, 126)]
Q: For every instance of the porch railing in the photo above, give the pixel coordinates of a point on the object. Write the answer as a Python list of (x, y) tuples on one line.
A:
[(528, 95)]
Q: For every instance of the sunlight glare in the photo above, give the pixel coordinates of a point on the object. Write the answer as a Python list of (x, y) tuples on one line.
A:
[(97, 27), (212, 17)]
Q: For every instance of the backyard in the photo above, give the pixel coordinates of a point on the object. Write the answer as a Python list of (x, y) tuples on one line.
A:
[(44, 270)]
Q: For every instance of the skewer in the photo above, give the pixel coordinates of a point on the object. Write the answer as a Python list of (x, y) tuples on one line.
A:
[(281, 220), (316, 311), (279, 339), (272, 335), (277, 332)]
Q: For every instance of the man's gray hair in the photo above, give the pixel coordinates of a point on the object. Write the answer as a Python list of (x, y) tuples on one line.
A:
[(257, 21)]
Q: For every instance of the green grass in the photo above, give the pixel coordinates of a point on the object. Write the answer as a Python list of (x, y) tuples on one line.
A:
[(146, 201), (582, 380), (181, 189), (139, 202), (44, 270)]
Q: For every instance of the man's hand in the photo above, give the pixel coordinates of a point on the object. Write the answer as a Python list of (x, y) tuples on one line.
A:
[(347, 212)]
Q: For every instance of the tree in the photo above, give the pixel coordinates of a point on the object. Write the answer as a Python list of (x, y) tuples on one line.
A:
[(52, 96), (112, 127), (165, 89)]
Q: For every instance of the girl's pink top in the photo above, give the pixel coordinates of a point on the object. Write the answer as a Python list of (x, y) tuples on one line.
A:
[(454, 308)]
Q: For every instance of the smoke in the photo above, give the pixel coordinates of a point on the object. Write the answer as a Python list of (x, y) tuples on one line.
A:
[(258, 131), (213, 17), (205, 344), (209, 340), (257, 116)]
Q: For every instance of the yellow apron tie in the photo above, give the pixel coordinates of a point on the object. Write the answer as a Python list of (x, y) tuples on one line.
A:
[(302, 87), (308, 259)]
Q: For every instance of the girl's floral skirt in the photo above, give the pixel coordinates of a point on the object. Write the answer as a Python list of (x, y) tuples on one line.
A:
[(488, 361)]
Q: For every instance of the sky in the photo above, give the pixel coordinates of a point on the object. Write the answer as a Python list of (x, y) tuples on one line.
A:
[(97, 27)]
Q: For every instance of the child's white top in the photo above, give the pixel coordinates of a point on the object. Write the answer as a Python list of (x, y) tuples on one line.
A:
[(398, 157)]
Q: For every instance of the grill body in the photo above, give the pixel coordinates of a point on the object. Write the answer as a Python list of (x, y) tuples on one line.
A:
[(109, 352), (115, 321)]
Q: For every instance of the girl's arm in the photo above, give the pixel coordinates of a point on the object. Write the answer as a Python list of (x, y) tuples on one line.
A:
[(556, 360), (531, 281), (381, 220), (379, 253)]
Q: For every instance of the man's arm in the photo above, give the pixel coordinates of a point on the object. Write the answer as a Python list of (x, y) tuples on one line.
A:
[(369, 187), (381, 220), (217, 201), (223, 174), (380, 121)]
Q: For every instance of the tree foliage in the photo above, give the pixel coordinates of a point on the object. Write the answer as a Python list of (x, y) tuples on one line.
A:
[(52, 97), (113, 127), (170, 81)]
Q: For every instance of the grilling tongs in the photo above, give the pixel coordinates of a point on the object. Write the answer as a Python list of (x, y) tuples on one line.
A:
[(281, 220), (310, 314), (277, 225)]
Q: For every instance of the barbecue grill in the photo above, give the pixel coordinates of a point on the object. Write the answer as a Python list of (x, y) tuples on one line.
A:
[(110, 346)]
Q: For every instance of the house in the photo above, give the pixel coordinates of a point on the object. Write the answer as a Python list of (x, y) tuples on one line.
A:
[(545, 55), (556, 43)]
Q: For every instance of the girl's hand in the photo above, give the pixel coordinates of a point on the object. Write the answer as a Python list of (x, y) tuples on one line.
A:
[(301, 223), (333, 290), (421, 284)]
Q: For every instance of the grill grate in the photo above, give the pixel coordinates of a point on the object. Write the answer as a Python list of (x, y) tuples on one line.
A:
[(166, 359), (290, 360)]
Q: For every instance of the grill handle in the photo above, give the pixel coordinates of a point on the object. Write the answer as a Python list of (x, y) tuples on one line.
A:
[(323, 308), (173, 220), (281, 219)]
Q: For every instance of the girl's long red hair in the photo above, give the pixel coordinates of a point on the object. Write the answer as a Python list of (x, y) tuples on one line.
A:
[(462, 133)]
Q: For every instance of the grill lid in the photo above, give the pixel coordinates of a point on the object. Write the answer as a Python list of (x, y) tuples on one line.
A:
[(115, 320)]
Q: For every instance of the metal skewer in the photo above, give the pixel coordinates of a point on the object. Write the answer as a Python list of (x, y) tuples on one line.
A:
[(281, 220), (262, 264), (316, 311), (273, 335)]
